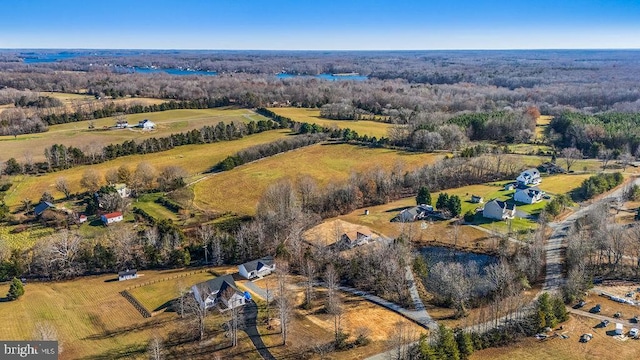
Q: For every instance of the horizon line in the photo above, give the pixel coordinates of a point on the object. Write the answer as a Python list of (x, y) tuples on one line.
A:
[(322, 50)]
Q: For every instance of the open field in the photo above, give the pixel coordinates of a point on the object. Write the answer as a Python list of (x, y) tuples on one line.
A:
[(147, 203), (22, 240), (323, 162), (541, 125), (77, 134), (89, 314), (379, 220), (602, 346), (312, 116), (193, 158), (94, 321), (328, 232), (158, 295)]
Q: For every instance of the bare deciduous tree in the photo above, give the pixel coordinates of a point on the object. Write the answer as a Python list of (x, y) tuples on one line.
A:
[(309, 271), (570, 156), (63, 186), (284, 300), (111, 176), (155, 349), (198, 311), (47, 332), (90, 180)]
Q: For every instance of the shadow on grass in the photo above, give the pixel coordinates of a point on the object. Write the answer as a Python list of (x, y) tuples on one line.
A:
[(126, 352), (154, 323), (167, 306), (111, 280), (398, 209)]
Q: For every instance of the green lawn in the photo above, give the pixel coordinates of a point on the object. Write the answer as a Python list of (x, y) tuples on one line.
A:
[(158, 295), (312, 116), (147, 203)]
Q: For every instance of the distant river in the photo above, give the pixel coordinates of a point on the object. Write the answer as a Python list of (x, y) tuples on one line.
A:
[(173, 71), (330, 77)]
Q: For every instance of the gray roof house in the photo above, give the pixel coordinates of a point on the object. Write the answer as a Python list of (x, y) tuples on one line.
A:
[(221, 291), (528, 196), (257, 268), (40, 208), (127, 274), (499, 210)]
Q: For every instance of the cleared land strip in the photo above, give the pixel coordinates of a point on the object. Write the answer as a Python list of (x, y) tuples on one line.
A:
[(602, 317)]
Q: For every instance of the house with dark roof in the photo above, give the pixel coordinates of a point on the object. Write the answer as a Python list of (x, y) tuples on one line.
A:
[(146, 124), (127, 274), (529, 195), (529, 177), (40, 208), (257, 268), (354, 238), (221, 292), (499, 210)]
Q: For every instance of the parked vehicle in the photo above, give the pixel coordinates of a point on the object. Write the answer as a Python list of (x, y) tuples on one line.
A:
[(596, 309), (617, 315), (604, 323), (586, 337), (580, 304), (633, 332)]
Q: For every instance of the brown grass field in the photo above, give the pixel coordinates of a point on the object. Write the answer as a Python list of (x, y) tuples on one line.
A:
[(541, 124), (328, 232), (94, 321), (323, 162), (602, 346), (73, 102), (193, 158), (78, 134), (312, 116)]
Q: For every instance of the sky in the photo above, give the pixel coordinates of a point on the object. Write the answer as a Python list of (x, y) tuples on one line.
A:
[(321, 25)]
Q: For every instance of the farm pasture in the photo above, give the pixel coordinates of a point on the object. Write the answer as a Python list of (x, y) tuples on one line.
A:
[(77, 134), (312, 116), (323, 162), (193, 158)]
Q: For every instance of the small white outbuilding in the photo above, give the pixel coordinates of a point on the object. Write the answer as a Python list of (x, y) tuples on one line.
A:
[(619, 329)]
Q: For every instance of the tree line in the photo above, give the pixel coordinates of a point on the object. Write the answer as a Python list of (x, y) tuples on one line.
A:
[(63, 157)]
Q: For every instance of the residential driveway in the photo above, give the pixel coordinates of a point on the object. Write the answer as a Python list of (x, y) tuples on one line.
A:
[(258, 290), (599, 317), (250, 327)]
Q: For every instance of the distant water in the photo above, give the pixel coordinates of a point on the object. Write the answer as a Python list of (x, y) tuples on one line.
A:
[(173, 71), (330, 77)]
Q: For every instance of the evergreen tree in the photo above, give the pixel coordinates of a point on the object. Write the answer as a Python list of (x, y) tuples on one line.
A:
[(424, 196), (15, 290), (546, 312), (454, 205), (427, 352), (447, 347), (443, 201), (559, 310), (465, 344)]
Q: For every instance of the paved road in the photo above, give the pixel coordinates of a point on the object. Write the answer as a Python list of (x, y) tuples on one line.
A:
[(555, 247), (250, 327)]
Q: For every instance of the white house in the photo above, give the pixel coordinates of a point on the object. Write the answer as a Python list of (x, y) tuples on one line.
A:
[(499, 210), (221, 292), (127, 275), (529, 177), (110, 218), (355, 238), (122, 190), (528, 196), (147, 124), (257, 268)]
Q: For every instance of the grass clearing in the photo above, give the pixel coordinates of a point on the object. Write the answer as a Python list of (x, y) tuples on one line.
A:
[(89, 314), (25, 239), (77, 134), (312, 116), (323, 162), (193, 158), (147, 203), (158, 295)]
